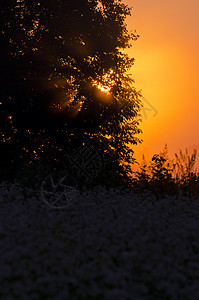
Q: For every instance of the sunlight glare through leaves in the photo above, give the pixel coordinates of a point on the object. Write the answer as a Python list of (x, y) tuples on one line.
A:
[(106, 83)]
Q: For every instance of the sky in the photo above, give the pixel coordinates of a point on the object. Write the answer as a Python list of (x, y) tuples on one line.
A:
[(166, 69)]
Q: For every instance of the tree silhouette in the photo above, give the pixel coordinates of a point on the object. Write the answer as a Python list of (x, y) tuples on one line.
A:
[(57, 60)]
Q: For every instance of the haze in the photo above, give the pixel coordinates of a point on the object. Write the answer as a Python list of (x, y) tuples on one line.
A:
[(166, 69)]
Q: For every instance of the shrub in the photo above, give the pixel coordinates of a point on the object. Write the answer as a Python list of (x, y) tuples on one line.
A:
[(169, 176)]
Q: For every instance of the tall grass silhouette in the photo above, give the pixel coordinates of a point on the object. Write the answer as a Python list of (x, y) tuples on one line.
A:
[(163, 175)]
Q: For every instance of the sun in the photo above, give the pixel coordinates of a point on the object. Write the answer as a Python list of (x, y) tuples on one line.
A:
[(105, 83), (102, 88)]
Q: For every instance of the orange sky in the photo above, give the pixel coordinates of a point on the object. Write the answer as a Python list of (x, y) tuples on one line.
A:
[(167, 69)]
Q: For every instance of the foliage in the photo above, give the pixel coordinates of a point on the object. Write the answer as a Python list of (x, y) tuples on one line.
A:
[(142, 176), (54, 57), (169, 176)]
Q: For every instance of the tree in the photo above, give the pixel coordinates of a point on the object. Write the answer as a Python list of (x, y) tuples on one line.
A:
[(64, 74)]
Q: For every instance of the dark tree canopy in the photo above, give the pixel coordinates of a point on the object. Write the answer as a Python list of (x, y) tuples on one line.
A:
[(56, 59)]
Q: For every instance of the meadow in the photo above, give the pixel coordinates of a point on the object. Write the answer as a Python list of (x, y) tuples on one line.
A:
[(138, 242)]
